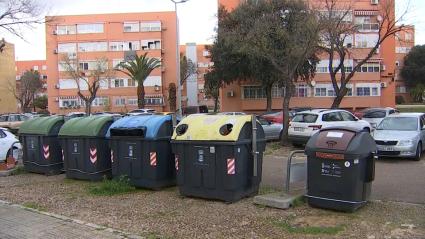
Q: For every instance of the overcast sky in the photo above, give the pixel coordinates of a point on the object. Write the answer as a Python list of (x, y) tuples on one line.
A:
[(197, 19)]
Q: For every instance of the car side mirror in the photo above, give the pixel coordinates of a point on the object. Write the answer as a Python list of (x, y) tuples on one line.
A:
[(356, 119)]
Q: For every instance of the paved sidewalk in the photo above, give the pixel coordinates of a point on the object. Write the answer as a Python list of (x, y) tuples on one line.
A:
[(19, 223)]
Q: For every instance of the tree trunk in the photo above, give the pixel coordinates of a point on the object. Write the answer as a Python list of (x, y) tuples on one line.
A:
[(140, 96), (339, 96), (88, 108), (269, 98), (286, 99), (215, 105)]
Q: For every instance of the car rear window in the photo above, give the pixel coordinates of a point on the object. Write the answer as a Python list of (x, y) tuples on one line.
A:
[(305, 118), (375, 114)]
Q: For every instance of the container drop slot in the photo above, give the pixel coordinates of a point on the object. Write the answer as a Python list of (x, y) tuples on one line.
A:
[(334, 139), (140, 132), (181, 129), (226, 129)]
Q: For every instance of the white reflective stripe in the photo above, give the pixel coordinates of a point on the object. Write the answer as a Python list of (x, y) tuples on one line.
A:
[(335, 200)]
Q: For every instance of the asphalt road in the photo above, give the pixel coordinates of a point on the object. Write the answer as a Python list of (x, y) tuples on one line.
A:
[(400, 180)]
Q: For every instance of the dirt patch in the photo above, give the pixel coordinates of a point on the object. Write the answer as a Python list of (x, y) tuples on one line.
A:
[(166, 214)]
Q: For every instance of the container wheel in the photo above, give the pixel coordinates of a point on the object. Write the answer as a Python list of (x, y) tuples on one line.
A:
[(418, 152)]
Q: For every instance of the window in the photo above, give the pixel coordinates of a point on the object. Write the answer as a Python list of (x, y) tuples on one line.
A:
[(363, 91), (151, 44), (120, 101), (153, 101), (402, 49), (44, 67), (346, 15), (66, 29), (333, 116), (408, 36), (276, 91), (368, 89), (90, 28), (205, 53), (67, 47), (400, 89), (124, 46), (88, 65), (92, 46), (100, 101), (323, 65), (366, 40), (131, 26), (301, 91), (347, 116), (68, 103), (320, 91), (132, 101), (370, 67), (104, 84), (254, 92), (131, 83), (118, 83), (150, 26)]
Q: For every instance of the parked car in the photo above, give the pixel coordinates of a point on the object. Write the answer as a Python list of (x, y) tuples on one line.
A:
[(74, 115), (306, 123), (272, 131), (194, 109), (141, 111), (9, 144), (375, 115), (277, 117), (12, 121), (401, 135)]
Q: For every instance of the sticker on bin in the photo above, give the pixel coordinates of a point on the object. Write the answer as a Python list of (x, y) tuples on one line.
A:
[(231, 169), (176, 159), (46, 151), (153, 158), (334, 134), (93, 155)]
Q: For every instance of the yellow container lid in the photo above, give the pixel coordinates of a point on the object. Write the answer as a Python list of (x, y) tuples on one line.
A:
[(207, 127)]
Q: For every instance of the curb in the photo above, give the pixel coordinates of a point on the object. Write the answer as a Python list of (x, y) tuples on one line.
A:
[(119, 233)]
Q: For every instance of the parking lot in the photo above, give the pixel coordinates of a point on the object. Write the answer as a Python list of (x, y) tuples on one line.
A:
[(396, 179)]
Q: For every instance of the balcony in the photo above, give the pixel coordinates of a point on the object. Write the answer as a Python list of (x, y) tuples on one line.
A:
[(368, 27)]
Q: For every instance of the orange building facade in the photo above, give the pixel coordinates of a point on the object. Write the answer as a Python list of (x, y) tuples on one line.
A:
[(114, 37), (193, 90), (405, 41), (36, 65), (372, 86)]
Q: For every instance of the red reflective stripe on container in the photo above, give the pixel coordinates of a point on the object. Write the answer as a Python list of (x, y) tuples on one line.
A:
[(330, 156), (93, 155), (63, 156), (231, 168), (46, 151), (153, 158), (112, 156), (176, 159)]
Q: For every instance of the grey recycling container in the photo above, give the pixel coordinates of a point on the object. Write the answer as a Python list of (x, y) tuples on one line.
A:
[(340, 168), (85, 147), (41, 149), (141, 150)]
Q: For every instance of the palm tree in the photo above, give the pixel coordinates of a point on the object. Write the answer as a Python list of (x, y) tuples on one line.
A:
[(138, 69)]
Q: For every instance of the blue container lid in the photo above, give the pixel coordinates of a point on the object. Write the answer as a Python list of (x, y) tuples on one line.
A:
[(152, 124)]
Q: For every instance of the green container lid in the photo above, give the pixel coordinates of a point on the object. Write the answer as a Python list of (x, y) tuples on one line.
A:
[(86, 126), (40, 125)]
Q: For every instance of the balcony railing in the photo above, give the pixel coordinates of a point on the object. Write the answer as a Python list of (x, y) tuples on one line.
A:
[(368, 27)]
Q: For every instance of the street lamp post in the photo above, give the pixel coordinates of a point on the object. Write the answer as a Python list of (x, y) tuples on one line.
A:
[(179, 87)]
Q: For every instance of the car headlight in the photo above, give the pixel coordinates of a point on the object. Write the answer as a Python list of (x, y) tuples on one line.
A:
[(407, 142)]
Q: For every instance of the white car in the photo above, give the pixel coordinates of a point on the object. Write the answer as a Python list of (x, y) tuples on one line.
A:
[(306, 123), (9, 144), (375, 115), (141, 112)]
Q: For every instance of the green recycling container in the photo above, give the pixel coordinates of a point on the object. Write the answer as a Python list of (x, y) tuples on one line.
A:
[(41, 149), (85, 147), (214, 157)]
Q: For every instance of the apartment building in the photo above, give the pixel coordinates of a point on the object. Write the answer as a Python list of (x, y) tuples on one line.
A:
[(372, 86), (193, 90), (36, 65), (8, 102), (405, 41), (115, 37)]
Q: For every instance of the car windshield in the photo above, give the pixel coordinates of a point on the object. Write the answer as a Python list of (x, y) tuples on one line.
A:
[(399, 123), (305, 118), (374, 114)]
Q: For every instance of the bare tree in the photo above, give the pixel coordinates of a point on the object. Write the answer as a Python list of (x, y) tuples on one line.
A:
[(29, 85), (15, 14), (87, 77), (187, 68), (339, 27)]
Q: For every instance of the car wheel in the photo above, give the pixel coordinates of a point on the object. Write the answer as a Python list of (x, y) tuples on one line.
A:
[(418, 152)]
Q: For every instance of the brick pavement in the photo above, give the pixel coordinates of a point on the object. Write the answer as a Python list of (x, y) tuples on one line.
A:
[(19, 223)]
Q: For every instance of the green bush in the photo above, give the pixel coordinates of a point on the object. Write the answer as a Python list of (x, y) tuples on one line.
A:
[(115, 186)]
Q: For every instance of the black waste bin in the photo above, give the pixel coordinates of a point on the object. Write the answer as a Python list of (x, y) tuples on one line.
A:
[(340, 168), (141, 150), (85, 147), (213, 156), (41, 149)]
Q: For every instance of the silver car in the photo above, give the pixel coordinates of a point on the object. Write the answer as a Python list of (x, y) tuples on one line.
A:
[(375, 115), (401, 135), (272, 131)]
